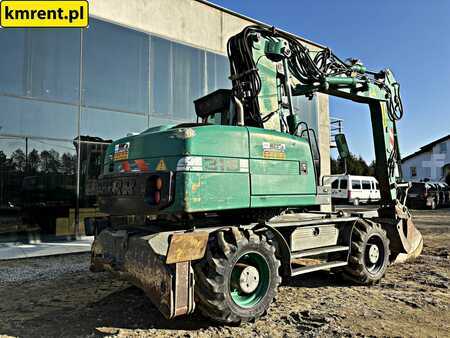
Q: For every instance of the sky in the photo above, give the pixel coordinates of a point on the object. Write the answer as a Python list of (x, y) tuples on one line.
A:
[(410, 37)]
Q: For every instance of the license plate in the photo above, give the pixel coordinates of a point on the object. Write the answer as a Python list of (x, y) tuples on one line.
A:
[(119, 187)]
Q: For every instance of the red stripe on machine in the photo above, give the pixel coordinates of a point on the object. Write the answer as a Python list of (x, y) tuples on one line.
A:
[(141, 165), (126, 166), (392, 137)]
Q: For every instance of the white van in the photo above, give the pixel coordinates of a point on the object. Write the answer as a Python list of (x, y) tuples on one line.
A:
[(354, 189)]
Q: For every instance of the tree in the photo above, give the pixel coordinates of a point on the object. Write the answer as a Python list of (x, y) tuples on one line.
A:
[(18, 160), (3, 159), (68, 163), (355, 166), (50, 161), (372, 168), (335, 167), (34, 161)]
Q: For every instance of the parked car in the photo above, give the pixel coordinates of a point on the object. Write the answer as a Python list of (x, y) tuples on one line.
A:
[(423, 195), (354, 189), (444, 194)]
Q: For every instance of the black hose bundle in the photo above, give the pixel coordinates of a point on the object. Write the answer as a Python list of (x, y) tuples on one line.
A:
[(244, 74), (244, 71), (307, 70)]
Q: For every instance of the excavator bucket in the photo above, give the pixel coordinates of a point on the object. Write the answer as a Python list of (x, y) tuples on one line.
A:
[(406, 241), (409, 239)]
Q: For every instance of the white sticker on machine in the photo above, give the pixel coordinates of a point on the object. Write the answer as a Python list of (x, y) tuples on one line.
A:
[(121, 151), (274, 150)]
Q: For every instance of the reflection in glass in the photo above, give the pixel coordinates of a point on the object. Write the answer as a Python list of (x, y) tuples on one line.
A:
[(161, 75), (218, 72), (37, 118), (39, 106), (178, 77), (13, 61), (37, 184), (12, 168), (110, 124), (115, 70), (55, 64), (158, 121), (92, 152), (188, 80)]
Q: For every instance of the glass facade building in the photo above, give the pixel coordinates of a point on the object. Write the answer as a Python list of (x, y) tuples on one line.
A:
[(58, 86)]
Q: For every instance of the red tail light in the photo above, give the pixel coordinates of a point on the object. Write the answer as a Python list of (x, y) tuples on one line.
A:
[(159, 190), (155, 185), (349, 194), (157, 197), (158, 183)]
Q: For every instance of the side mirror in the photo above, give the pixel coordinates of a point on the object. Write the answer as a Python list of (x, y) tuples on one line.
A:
[(342, 146)]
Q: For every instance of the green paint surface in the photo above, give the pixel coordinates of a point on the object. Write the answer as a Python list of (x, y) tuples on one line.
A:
[(240, 167)]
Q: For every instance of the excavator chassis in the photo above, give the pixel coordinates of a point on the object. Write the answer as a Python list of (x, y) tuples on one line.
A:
[(162, 263)]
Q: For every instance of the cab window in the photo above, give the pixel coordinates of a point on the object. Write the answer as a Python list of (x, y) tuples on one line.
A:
[(344, 184)]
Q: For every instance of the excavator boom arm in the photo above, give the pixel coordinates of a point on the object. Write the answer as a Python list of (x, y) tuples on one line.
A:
[(268, 68)]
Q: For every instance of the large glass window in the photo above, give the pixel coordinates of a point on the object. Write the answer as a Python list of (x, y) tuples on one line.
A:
[(55, 64), (13, 61), (161, 77), (130, 81), (110, 124), (115, 62), (12, 168), (37, 118), (188, 80), (37, 184), (178, 77), (218, 71)]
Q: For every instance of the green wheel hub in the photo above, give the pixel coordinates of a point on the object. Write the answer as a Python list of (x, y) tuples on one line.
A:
[(250, 279)]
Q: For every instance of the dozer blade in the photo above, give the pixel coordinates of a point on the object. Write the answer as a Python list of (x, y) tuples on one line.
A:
[(135, 257)]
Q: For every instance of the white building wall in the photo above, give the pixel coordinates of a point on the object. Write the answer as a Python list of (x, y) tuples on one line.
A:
[(428, 164), (187, 21)]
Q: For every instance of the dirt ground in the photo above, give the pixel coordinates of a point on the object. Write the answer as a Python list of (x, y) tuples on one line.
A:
[(412, 300)]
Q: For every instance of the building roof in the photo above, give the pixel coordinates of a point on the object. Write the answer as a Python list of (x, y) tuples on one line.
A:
[(426, 148)]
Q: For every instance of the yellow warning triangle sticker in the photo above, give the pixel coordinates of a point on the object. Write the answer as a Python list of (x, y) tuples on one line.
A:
[(161, 166)]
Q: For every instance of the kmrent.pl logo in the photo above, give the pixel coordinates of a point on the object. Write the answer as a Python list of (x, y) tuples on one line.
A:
[(21, 13)]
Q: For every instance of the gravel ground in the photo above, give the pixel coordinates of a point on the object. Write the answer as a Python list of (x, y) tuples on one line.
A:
[(42, 268), (58, 296)]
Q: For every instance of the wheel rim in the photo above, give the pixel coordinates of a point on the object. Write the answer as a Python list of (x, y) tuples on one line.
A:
[(244, 268), (374, 254)]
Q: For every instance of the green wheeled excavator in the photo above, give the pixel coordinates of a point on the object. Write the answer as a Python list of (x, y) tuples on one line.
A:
[(213, 214)]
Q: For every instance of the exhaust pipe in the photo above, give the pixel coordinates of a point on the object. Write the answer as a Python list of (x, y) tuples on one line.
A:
[(239, 111)]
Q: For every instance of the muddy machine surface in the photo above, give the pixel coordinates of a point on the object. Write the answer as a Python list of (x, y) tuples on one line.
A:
[(210, 215)]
